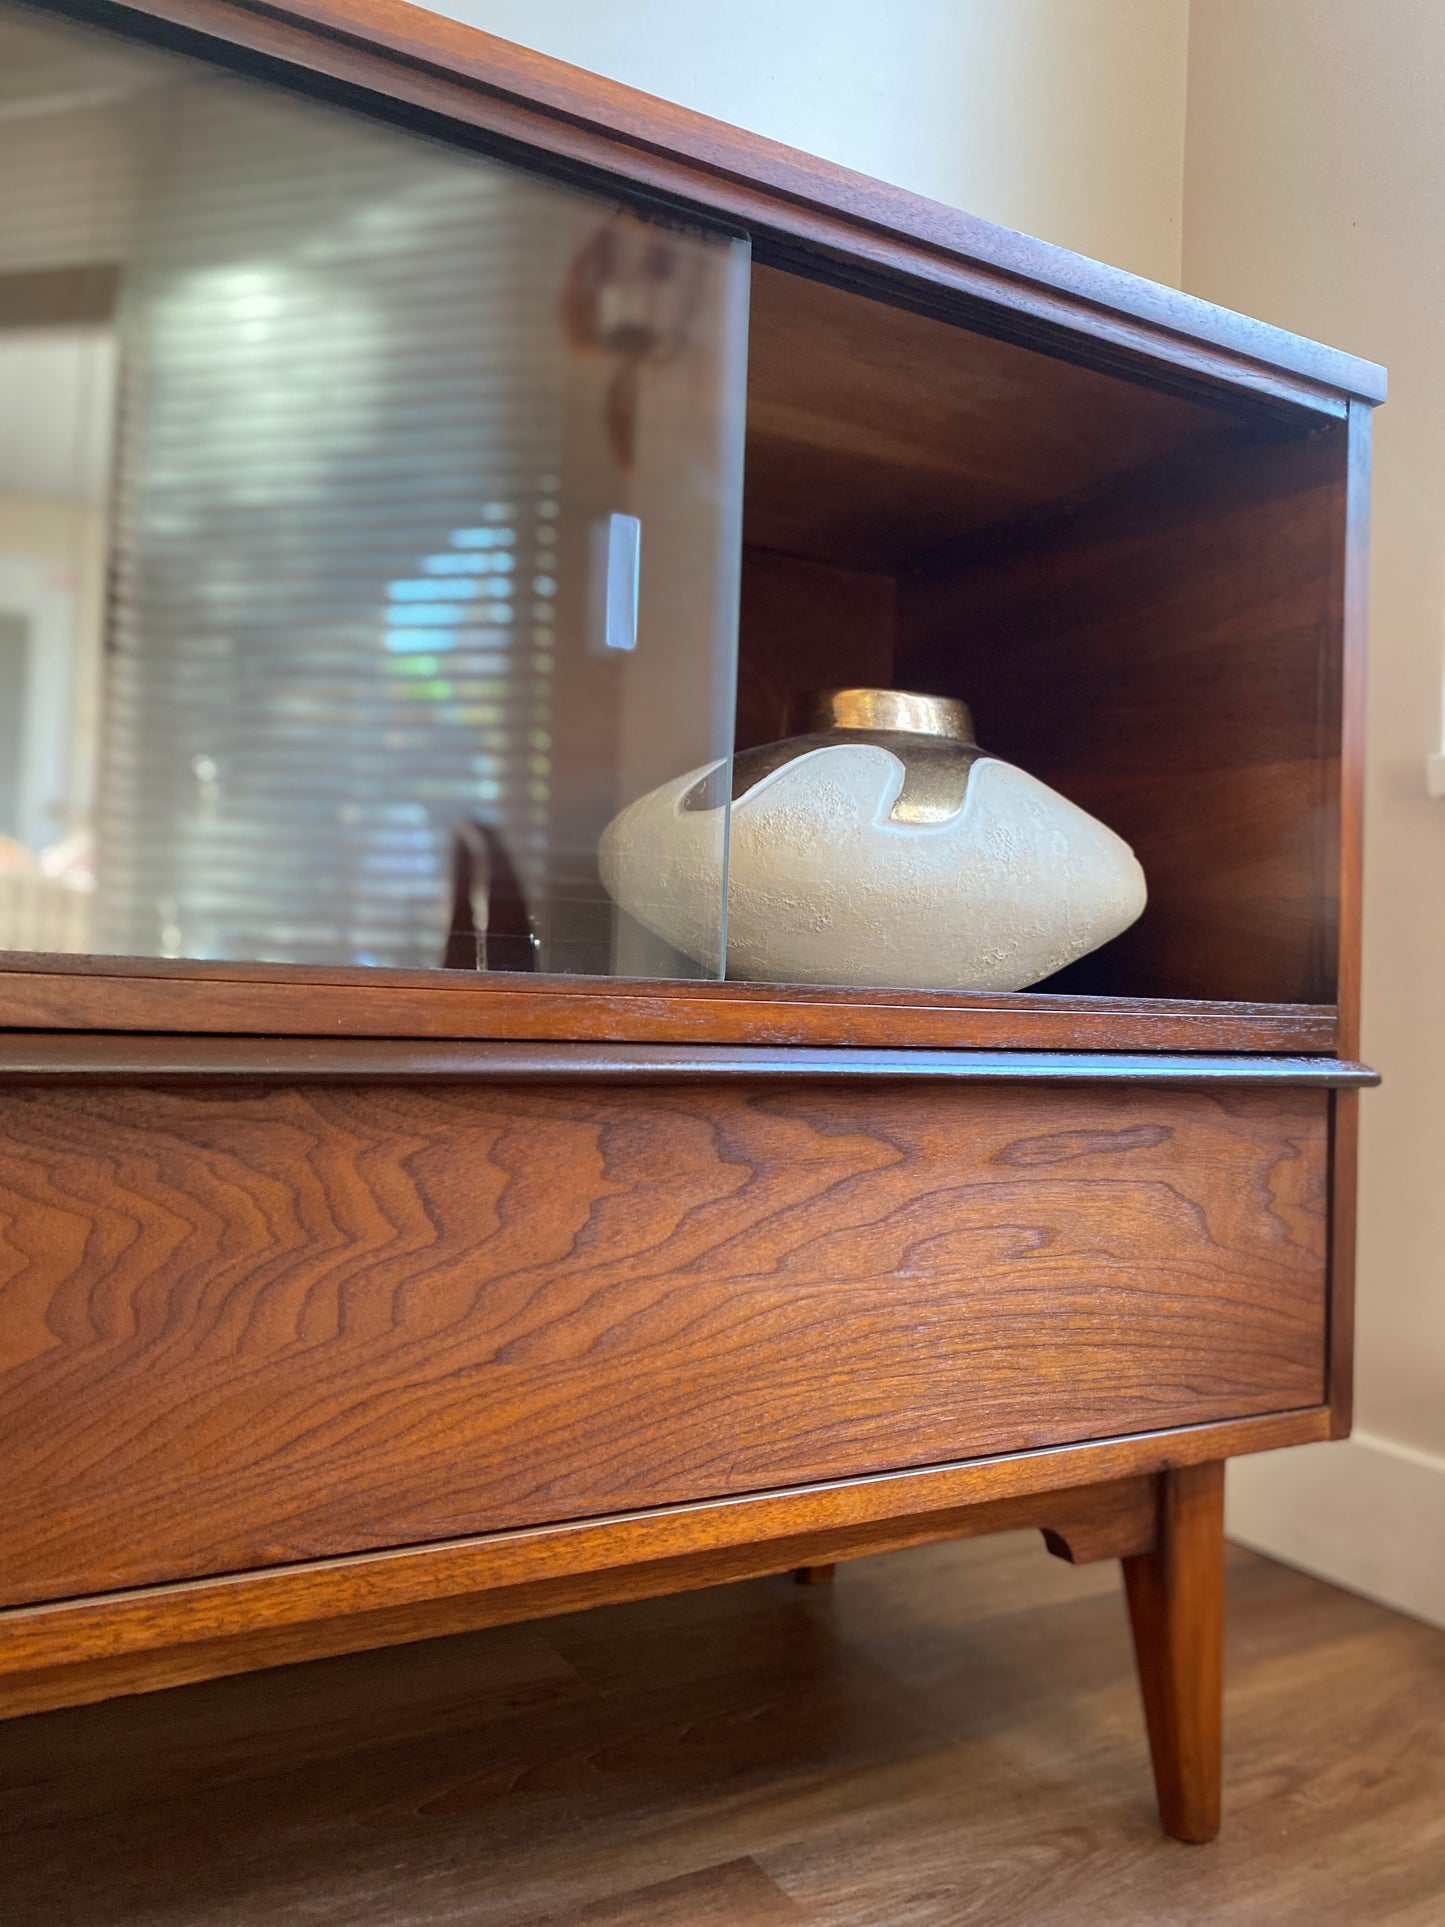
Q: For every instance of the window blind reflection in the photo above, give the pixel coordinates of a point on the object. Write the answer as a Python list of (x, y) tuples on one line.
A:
[(334, 385)]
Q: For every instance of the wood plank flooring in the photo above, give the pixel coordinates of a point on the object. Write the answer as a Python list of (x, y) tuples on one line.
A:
[(943, 1737)]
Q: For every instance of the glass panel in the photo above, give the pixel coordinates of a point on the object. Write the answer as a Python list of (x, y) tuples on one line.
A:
[(418, 483)]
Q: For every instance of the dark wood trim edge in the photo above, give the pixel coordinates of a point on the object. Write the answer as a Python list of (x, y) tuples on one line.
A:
[(1340, 1300), (1344, 1108), (51, 1057)]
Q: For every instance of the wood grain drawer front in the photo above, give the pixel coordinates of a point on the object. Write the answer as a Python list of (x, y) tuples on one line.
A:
[(245, 1328)]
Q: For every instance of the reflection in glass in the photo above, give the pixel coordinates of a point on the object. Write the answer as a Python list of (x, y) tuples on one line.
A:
[(312, 429)]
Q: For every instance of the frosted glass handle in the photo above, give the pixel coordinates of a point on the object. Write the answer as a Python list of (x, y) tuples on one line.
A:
[(616, 568)]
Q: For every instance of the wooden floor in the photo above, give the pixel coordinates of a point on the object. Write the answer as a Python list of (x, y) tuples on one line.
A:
[(946, 1736)]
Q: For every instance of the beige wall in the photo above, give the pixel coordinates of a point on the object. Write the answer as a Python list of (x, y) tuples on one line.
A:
[(1064, 118)]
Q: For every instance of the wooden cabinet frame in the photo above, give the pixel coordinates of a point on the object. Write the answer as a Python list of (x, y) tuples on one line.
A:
[(225, 1033)]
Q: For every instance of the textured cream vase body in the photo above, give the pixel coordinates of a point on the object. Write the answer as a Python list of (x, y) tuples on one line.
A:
[(825, 888)]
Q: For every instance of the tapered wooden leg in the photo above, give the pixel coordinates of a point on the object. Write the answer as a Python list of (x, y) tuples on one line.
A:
[(1176, 1607), (814, 1575)]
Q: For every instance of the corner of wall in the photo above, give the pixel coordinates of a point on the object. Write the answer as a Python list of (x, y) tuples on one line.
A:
[(1364, 1513)]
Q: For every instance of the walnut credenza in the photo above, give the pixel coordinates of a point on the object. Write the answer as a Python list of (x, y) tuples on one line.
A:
[(342, 1306)]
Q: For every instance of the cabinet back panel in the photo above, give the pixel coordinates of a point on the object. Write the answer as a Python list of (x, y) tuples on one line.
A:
[(806, 626), (1169, 656), (248, 1328)]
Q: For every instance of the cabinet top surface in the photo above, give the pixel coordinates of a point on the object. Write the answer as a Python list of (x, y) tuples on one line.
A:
[(398, 49)]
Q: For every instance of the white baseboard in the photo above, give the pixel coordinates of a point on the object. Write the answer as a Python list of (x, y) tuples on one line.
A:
[(1364, 1513)]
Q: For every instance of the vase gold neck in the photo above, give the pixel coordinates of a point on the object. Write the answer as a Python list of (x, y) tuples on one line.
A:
[(891, 710)]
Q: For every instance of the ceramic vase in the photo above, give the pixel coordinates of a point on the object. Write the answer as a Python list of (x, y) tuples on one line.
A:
[(882, 847)]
